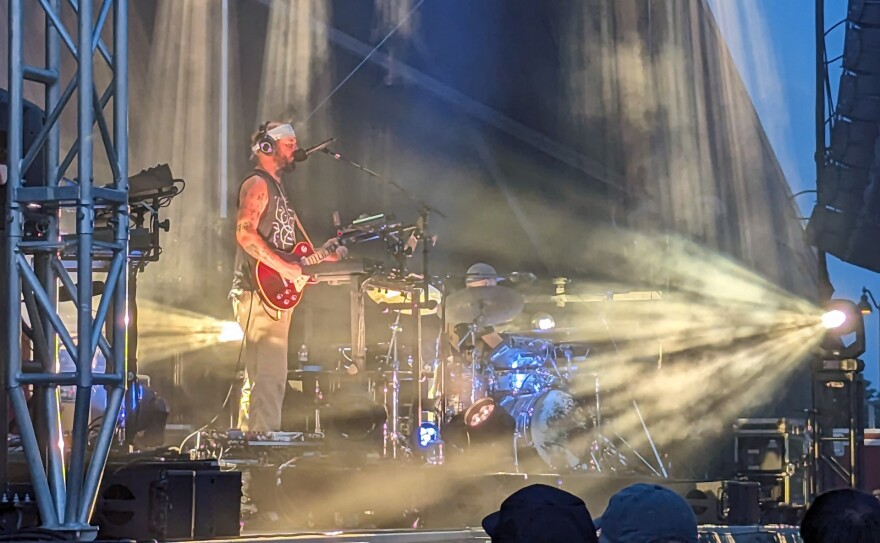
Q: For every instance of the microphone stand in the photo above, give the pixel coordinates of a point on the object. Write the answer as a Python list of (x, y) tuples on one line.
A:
[(425, 210)]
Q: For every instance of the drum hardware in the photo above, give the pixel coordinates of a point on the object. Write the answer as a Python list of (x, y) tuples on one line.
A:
[(636, 406), (568, 350), (472, 335), (517, 435), (638, 455), (650, 440), (404, 296), (394, 437), (319, 397)]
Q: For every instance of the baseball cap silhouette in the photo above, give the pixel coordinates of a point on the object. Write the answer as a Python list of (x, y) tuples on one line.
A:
[(541, 513)]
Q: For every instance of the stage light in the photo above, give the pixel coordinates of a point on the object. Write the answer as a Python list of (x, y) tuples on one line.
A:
[(489, 424), (842, 320), (543, 321), (480, 412), (146, 423), (841, 317), (428, 435), (230, 331), (834, 318)]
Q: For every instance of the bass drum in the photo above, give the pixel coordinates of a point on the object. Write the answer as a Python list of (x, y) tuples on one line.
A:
[(553, 424)]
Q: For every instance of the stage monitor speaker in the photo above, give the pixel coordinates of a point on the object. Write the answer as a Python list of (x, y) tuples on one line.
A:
[(172, 500), (147, 504), (734, 503)]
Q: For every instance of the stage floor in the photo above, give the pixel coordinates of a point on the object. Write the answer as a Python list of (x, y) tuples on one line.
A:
[(708, 534)]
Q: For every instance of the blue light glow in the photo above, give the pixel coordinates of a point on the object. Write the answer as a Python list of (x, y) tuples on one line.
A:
[(428, 434)]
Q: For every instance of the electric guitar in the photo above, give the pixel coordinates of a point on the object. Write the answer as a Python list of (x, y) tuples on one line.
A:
[(277, 292)]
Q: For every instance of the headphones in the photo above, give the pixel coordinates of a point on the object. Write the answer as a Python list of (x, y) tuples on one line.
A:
[(265, 143)]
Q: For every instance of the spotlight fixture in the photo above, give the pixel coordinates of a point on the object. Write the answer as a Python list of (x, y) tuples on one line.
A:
[(488, 423), (480, 412), (833, 319), (842, 319), (543, 321)]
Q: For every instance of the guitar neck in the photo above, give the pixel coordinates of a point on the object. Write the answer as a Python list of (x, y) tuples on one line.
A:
[(318, 256)]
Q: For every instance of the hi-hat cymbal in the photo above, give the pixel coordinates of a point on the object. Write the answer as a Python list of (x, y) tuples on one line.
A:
[(391, 293), (484, 305)]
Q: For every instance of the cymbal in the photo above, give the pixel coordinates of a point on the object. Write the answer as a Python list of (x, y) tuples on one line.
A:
[(397, 294), (484, 305), (565, 331)]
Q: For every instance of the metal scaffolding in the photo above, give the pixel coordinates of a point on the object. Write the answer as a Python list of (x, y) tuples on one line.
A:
[(36, 264)]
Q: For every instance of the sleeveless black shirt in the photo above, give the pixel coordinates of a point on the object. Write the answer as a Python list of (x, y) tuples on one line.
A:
[(277, 227)]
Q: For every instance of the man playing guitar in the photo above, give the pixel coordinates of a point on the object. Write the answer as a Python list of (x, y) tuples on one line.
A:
[(265, 226)]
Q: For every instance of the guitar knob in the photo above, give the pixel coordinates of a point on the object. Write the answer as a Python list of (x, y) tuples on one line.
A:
[(287, 291), (278, 297)]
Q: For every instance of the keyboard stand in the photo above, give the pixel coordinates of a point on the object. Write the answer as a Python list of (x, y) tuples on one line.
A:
[(337, 274)]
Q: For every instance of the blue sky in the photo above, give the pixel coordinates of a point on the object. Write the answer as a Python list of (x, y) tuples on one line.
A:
[(773, 45)]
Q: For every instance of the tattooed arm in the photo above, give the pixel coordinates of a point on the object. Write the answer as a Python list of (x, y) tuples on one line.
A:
[(254, 199)]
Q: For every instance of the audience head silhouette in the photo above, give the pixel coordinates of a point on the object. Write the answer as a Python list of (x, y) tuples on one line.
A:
[(541, 513), (842, 516)]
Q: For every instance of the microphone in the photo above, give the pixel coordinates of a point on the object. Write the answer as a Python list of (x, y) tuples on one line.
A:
[(331, 153), (301, 155)]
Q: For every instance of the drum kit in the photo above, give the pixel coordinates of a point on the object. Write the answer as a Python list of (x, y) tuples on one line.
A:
[(478, 373)]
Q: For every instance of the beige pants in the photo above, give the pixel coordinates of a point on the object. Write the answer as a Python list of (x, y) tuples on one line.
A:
[(265, 361)]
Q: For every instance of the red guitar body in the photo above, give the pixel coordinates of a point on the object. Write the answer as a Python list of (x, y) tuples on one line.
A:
[(275, 291)]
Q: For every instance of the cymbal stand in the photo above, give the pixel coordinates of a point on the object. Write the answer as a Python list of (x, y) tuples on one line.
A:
[(601, 448), (442, 355), (417, 311), (472, 334), (610, 448), (394, 436), (566, 352)]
